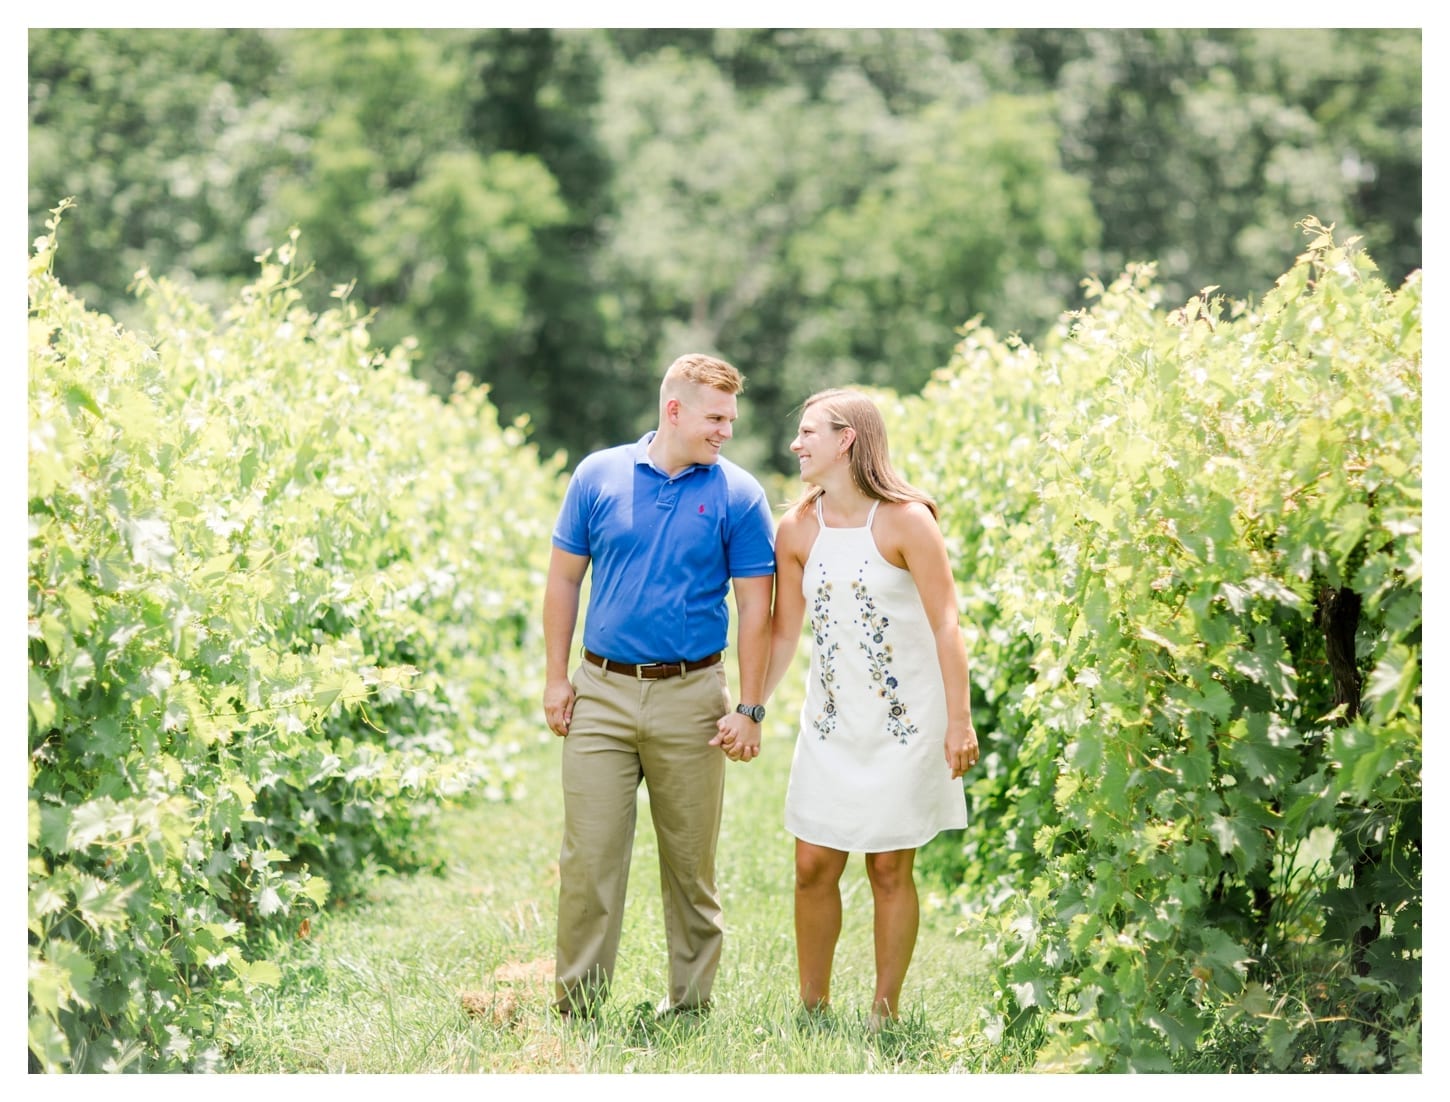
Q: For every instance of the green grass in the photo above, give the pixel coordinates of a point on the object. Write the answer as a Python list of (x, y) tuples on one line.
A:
[(378, 987)]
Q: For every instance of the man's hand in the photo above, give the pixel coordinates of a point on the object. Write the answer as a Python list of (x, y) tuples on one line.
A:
[(559, 705), (738, 736)]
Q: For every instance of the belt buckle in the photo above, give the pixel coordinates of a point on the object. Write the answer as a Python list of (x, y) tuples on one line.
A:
[(657, 670)]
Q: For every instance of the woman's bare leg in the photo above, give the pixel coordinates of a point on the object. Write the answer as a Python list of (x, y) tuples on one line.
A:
[(898, 915), (817, 918)]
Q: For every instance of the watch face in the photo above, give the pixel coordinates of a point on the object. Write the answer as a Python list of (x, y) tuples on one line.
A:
[(754, 711)]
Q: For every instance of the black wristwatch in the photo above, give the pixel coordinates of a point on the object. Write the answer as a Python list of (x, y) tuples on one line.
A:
[(754, 711)]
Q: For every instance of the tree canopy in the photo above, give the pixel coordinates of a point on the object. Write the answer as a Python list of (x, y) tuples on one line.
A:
[(559, 212)]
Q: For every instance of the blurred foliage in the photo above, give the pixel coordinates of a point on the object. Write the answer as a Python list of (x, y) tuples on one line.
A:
[(1200, 143), (171, 143), (559, 212)]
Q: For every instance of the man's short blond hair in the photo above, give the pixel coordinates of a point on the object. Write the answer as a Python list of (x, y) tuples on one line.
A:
[(703, 370)]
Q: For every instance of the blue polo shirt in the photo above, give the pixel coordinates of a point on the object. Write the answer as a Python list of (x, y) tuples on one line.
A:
[(662, 551)]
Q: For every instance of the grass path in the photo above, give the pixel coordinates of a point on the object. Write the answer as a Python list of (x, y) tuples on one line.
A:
[(382, 986)]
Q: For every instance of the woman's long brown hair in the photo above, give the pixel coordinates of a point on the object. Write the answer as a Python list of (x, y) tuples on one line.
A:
[(870, 456)]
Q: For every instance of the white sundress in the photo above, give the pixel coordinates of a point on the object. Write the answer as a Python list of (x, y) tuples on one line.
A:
[(869, 773)]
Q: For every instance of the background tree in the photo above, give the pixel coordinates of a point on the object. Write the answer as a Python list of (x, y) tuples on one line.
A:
[(169, 140), (977, 217), (558, 212), (820, 235), (536, 92), (1200, 144), (442, 232), (714, 187)]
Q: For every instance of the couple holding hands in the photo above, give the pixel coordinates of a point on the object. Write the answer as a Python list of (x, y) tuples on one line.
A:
[(667, 526)]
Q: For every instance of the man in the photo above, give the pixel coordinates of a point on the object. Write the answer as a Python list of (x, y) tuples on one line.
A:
[(666, 525)]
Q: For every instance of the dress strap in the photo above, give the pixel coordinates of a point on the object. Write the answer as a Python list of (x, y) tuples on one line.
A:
[(872, 514), (820, 515)]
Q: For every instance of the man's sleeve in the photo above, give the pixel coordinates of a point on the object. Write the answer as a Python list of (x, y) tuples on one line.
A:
[(571, 529), (751, 552)]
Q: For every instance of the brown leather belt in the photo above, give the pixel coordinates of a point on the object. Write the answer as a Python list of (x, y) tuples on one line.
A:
[(651, 671)]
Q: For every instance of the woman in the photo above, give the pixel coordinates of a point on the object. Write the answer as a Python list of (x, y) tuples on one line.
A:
[(886, 729)]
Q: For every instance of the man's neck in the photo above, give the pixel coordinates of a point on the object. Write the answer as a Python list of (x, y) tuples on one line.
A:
[(662, 455)]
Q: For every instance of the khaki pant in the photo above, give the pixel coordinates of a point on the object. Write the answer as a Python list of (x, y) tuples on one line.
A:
[(625, 730)]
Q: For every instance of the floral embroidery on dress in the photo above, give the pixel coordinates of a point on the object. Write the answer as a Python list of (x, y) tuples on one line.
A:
[(878, 655), (825, 721)]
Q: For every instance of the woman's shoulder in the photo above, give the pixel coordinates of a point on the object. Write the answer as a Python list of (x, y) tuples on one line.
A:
[(796, 530), (902, 525), (906, 514)]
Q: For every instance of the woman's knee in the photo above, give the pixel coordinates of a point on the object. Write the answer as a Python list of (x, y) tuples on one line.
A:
[(890, 873), (816, 867)]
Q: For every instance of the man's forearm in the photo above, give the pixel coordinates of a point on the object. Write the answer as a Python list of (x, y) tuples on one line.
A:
[(753, 643), (561, 614)]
